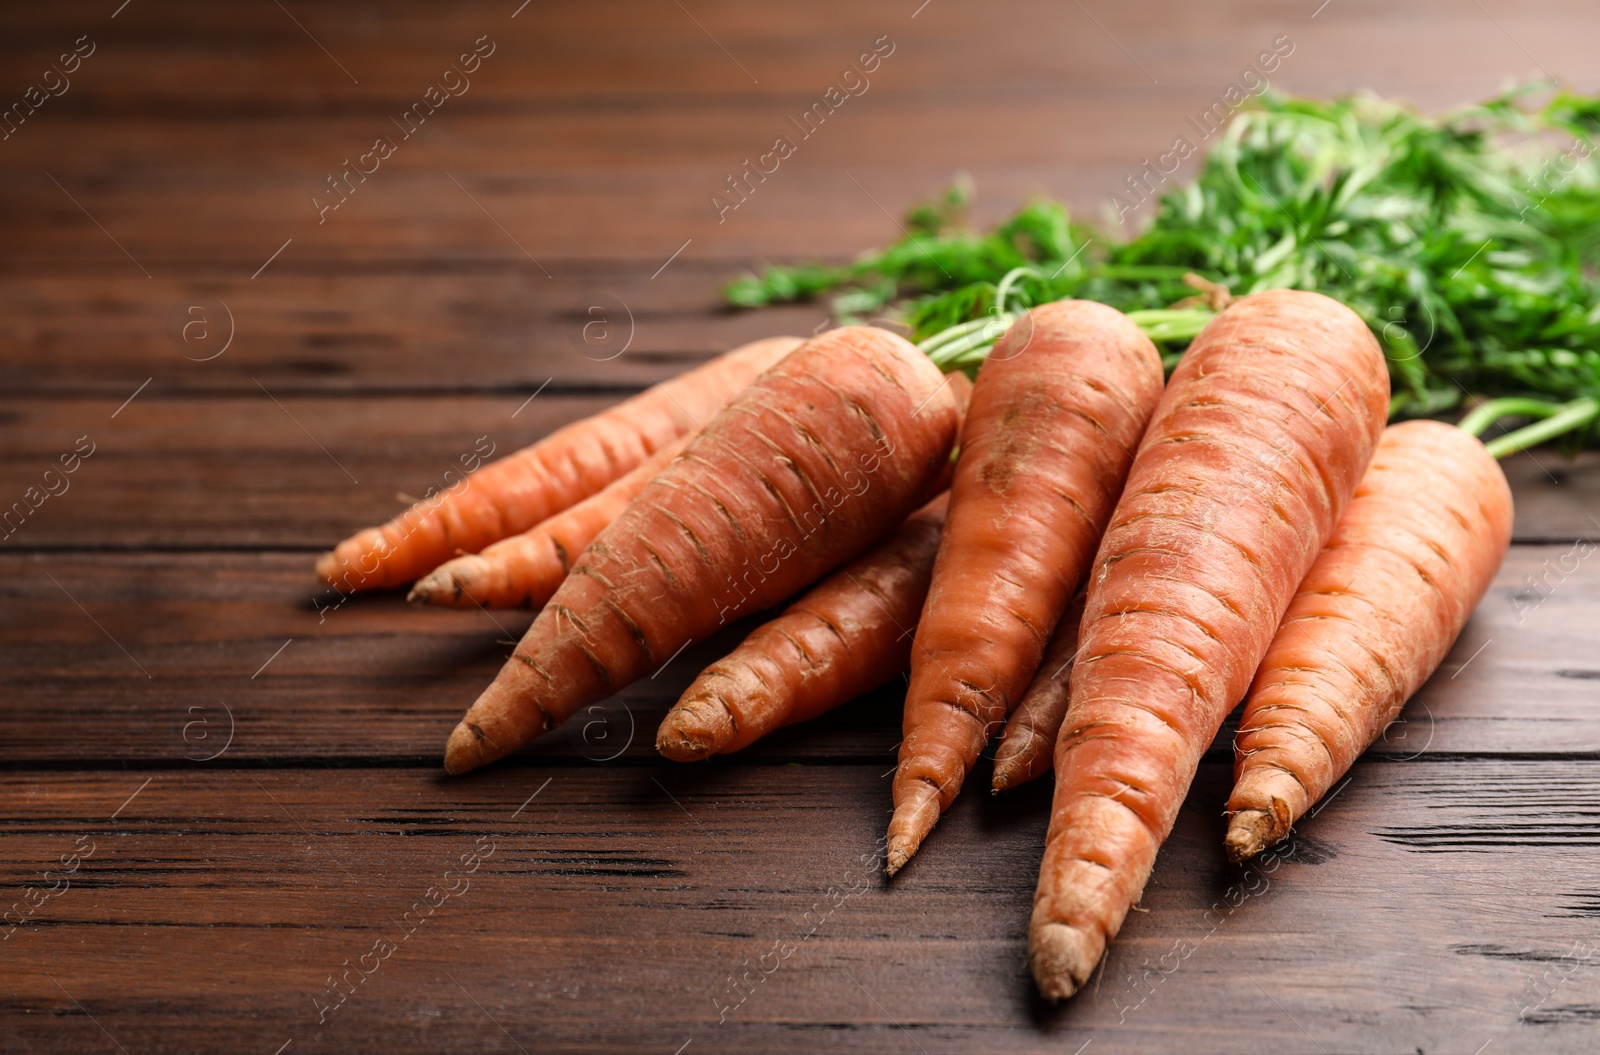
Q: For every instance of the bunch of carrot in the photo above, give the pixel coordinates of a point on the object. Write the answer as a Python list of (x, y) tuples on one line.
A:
[(1068, 549)]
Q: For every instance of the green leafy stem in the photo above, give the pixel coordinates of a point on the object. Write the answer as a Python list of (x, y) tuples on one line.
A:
[(1467, 242)]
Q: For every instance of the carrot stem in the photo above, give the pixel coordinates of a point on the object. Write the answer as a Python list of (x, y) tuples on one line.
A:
[(1569, 417), (1491, 411), (967, 344), (1005, 285), (1172, 324)]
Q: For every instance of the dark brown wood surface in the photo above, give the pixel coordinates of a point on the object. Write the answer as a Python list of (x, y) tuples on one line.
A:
[(247, 771)]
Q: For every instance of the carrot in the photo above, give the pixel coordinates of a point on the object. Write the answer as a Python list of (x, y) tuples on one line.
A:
[(1411, 558), (1030, 734), (1056, 412), (821, 457), (1263, 433), (523, 571), (849, 634), (567, 466)]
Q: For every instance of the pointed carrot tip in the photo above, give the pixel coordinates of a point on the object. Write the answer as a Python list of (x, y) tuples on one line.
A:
[(462, 752), (1249, 832), (681, 746), (328, 567), (1062, 958), (695, 729), (916, 811), (430, 588)]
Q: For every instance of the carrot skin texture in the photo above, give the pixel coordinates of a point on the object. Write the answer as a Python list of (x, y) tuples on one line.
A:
[(849, 634), (817, 460), (1260, 439), (1056, 413), (1028, 743), (1411, 558), (513, 494), (525, 570)]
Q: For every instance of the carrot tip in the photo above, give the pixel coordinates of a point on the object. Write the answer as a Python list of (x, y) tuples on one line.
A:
[(328, 568), (430, 588), (695, 729), (682, 747), (1062, 958), (462, 752), (916, 811), (1002, 778), (1250, 832)]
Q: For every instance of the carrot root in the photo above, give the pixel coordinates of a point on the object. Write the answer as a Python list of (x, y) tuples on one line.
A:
[(1056, 412), (1260, 439), (1410, 559), (916, 811), (525, 570), (516, 492), (1057, 954), (695, 729), (847, 635), (813, 463), (1029, 740), (1251, 831)]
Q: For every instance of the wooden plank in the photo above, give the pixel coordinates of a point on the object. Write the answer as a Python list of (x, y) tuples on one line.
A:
[(297, 471), (634, 178), (417, 219), (168, 652), (648, 136), (152, 58), (489, 328), (1428, 901), (1556, 497)]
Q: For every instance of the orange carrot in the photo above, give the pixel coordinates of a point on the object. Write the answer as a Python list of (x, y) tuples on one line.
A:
[(518, 491), (1411, 558), (1030, 734), (1057, 410), (1258, 443), (821, 457), (849, 634), (523, 571)]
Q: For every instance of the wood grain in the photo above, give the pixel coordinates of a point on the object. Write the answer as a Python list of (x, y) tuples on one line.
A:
[(475, 327), (620, 903)]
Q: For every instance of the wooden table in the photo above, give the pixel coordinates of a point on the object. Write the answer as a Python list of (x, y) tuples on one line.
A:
[(222, 788)]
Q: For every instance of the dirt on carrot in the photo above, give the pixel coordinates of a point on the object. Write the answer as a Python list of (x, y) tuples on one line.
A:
[(1411, 558), (819, 459), (1260, 439), (849, 634), (525, 570), (1056, 413), (513, 494)]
